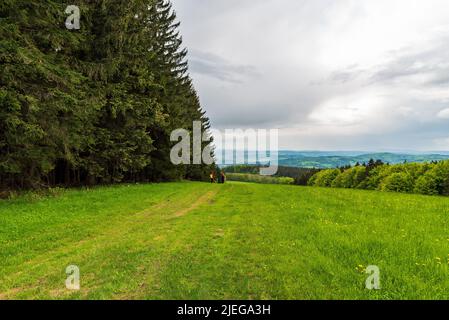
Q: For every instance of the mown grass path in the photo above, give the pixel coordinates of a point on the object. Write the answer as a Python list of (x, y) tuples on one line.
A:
[(233, 241)]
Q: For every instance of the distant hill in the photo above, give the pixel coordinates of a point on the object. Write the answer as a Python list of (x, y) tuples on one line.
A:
[(324, 160), (333, 159)]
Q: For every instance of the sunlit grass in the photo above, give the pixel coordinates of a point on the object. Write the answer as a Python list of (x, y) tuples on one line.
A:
[(233, 241)]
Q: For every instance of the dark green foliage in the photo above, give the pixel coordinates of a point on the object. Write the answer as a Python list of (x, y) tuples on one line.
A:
[(94, 105)]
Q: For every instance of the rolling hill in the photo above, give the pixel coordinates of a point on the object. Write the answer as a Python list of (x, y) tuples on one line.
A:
[(325, 160), (334, 159)]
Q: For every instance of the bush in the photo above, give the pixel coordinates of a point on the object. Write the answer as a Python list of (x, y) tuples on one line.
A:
[(350, 178), (338, 181), (427, 184), (374, 180), (398, 182), (286, 180), (312, 179), (325, 178), (441, 171)]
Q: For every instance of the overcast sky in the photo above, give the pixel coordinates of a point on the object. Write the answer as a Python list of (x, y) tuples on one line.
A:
[(331, 74)]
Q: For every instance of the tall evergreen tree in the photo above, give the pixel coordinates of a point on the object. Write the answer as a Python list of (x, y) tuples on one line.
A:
[(177, 94)]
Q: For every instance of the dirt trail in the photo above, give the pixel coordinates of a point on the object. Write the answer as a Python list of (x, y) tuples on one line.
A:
[(127, 222), (201, 200)]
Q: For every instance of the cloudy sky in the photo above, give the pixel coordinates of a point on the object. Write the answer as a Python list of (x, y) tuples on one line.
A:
[(330, 74)]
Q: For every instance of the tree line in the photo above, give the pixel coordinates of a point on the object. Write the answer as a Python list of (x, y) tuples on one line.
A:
[(421, 178), (257, 178), (299, 176), (95, 105)]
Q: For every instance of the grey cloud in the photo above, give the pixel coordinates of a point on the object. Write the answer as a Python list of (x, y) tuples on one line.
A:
[(253, 63), (440, 78), (258, 116), (217, 67), (403, 64), (432, 63), (348, 74)]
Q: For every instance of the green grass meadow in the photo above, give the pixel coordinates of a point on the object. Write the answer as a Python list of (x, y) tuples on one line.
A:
[(234, 241)]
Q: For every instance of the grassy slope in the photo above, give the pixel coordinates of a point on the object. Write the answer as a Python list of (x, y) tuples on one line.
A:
[(246, 241)]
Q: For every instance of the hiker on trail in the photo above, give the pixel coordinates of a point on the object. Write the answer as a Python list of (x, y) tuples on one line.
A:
[(222, 177), (212, 177)]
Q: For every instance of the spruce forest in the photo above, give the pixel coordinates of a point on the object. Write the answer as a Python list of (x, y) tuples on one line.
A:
[(94, 105)]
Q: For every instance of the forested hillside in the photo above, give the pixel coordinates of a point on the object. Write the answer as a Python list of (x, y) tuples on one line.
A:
[(94, 105)]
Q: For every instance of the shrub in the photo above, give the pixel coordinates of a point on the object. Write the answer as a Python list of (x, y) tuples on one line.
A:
[(312, 180), (376, 175), (338, 181), (427, 184), (326, 177), (286, 180), (350, 178), (398, 182), (441, 171)]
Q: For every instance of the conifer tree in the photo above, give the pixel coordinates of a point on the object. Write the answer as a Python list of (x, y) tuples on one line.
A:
[(177, 94)]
